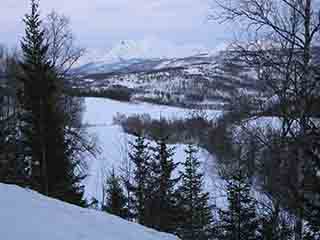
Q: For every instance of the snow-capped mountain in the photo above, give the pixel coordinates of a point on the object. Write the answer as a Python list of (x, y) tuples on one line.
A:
[(147, 48), (128, 52), (151, 48)]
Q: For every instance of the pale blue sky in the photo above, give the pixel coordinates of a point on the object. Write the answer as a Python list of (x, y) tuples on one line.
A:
[(100, 24)]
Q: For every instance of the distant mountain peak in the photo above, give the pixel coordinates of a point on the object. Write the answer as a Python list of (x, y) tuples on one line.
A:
[(143, 55), (147, 48)]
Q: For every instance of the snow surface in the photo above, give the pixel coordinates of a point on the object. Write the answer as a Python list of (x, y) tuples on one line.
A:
[(102, 110), (30, 216), (113, 142)]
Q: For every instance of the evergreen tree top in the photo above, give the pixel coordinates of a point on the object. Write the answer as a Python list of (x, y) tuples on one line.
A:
[(33, 44), (139, 153)]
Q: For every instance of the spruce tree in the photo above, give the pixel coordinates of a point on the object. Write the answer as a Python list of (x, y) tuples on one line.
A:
[(45, 146), (196, 213), (37, 85), (115, 202), (139, 188), (239, 221), (163, 195)]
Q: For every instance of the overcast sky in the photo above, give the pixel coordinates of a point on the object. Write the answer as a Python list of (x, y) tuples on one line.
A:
[(100, 24)]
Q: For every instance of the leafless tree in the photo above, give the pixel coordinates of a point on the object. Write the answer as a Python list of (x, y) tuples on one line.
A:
[(63, 51), (283, 51)]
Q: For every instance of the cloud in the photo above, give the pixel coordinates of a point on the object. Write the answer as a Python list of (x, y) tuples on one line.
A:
[(101, 23)]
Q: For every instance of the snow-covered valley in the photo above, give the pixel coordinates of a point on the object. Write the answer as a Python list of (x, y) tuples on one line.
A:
[(113, 142)]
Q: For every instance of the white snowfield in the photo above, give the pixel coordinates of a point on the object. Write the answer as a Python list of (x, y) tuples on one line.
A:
[(25, 214)]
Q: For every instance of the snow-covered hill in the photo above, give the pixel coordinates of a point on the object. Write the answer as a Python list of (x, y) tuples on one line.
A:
[(25, 214), (206, 80)]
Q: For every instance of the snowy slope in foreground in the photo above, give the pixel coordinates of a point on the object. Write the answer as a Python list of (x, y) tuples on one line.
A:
[(28, 215)]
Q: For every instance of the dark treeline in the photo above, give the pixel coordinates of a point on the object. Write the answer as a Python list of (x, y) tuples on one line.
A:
[(196, 126)]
